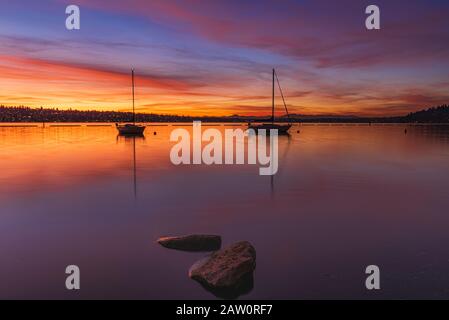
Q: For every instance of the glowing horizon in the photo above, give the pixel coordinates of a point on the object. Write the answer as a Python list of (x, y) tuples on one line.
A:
[(215, 58)]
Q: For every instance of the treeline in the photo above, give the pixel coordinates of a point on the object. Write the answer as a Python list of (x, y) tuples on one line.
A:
[(438, 114), (27, 114)]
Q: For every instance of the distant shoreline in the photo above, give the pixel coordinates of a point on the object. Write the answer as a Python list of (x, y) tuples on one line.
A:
[(217, 123), (434, 115)]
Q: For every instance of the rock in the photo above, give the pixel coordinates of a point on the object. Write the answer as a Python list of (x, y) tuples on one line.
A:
[(192, 242), (227, 272)]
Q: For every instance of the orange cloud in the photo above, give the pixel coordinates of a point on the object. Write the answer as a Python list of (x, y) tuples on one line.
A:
[(37, 82)]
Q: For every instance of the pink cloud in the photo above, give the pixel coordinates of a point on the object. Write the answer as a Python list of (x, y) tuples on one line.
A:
[(328, 34)]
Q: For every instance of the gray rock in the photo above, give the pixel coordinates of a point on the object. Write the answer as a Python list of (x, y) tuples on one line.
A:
[(226, 270), (194, 242)]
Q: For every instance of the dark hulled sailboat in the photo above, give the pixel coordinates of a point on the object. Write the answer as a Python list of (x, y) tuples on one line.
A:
[(282, 128), (131, 129)]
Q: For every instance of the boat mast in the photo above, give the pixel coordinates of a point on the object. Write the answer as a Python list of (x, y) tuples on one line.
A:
[(272, 102), (283, 99), (134, 113)]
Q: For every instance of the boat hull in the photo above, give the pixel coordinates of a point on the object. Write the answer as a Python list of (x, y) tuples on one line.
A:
[(281, 128), (130, 130)]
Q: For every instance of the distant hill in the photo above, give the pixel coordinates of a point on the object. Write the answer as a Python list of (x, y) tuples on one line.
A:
[(438, 114), (432, 115)]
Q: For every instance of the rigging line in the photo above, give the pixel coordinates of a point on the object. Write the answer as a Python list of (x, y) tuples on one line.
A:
[(282, 95)]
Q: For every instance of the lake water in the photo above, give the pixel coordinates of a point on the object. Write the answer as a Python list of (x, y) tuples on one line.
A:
[(345, 197)]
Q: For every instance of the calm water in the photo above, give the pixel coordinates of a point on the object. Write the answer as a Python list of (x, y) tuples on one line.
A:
[(345, 197)]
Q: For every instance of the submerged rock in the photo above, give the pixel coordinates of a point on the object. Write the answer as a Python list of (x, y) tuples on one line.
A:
[(194, 242), (228, 272)]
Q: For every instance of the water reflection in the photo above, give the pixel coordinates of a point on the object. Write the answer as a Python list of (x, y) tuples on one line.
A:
[(432, 133), (344, 197), (285, 142), (127, 139)]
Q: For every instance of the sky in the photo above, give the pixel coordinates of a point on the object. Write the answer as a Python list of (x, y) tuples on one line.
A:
[(214, 57)]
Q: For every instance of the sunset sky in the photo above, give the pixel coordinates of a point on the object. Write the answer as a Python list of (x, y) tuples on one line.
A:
[(215, 57)]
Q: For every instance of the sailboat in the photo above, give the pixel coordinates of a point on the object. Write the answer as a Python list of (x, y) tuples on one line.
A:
[(131, 129), (282, 128)]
